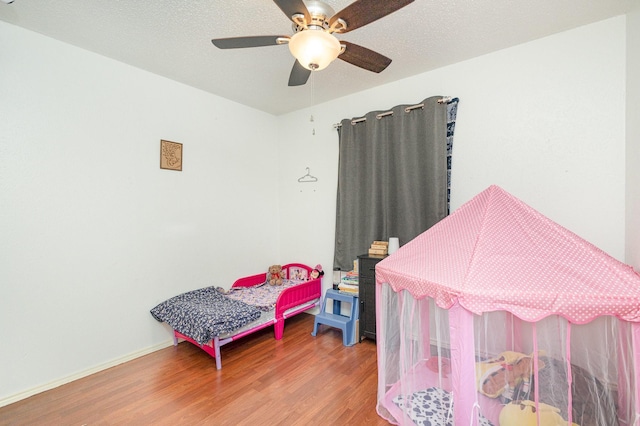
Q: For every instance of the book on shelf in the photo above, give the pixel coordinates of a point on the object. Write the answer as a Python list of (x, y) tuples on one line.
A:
[(379, 248), (350, 276), (349, 280), (377, 252), (348, 288)]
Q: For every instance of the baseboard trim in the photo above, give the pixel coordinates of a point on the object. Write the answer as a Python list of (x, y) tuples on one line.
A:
[(54, 384)]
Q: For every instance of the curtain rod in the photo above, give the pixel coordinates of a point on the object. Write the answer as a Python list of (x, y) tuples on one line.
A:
[(444, 100)]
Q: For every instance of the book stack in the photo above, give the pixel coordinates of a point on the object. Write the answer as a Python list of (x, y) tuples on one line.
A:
[(379, 248), (349, 283)]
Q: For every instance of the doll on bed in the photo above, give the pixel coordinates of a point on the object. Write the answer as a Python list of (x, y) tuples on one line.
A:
[(316, 272), (507, 376)]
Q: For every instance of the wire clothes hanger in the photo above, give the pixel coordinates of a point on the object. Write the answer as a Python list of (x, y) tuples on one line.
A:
[(308, 177)]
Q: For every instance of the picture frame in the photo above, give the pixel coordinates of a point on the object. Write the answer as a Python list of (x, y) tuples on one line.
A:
[(296, 273), (170, 155)]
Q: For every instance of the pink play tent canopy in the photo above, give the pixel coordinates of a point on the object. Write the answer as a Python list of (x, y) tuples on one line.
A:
[(497, 277), (497, 253)]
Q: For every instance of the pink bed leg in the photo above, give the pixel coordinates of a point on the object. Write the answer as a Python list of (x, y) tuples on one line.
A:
[(278, 328), (216, 348), (212, 348)]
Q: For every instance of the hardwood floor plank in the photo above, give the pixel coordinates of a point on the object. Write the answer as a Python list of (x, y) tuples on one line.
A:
[(299, 380)]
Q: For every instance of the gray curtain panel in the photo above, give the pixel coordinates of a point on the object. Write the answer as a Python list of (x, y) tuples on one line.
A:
[(392, 177)]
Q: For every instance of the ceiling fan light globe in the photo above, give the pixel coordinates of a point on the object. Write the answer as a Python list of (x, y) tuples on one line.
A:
[(314, 49)]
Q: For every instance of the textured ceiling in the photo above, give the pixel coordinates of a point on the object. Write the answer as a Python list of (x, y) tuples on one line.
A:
[(172, 38)]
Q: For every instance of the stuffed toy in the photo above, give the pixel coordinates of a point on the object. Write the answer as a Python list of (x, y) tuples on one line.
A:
[(316, 272), (275, 275), (523, 413), (499, 377)]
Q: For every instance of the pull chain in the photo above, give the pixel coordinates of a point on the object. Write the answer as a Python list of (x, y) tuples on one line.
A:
[(313, 129)]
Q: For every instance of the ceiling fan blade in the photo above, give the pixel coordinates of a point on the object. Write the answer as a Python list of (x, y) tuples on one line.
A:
[(364, 58), (241, 42), (299, 75), (293, 7), (363, 12)]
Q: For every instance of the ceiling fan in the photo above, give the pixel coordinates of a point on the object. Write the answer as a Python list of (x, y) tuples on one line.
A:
[(313, 44)]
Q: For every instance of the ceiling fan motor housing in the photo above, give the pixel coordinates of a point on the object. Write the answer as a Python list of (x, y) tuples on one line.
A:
[(319, 14)]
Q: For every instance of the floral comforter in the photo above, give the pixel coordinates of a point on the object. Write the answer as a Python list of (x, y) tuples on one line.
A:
[(263, 296), (205, 313)]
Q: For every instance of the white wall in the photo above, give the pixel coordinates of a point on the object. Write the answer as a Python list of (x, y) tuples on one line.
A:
[(543, 120), (94, 234), (633, 139)]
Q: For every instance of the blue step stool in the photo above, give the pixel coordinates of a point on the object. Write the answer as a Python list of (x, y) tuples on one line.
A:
[(345, 323)]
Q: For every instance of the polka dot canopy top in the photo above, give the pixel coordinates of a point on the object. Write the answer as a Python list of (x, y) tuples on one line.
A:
[(497, 253)]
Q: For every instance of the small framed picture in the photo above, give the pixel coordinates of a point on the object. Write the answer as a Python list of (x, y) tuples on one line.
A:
[(298, 274), (170, 155)]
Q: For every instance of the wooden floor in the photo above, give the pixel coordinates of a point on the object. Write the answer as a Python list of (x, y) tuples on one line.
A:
[(299, 380)]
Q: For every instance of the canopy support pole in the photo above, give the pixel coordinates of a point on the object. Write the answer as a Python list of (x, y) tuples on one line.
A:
[(463, 375)]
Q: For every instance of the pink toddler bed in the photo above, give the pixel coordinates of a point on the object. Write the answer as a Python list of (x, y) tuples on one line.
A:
[(210, 319)]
